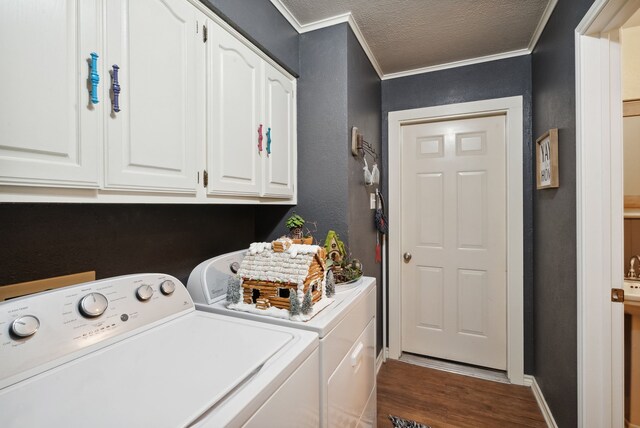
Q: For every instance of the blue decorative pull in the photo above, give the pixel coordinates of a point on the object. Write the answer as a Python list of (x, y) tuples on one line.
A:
[(95, 78), (116, 88), (268, 141)]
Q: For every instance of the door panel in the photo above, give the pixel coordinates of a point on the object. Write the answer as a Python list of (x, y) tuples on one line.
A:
[(454, 225), (50, 129), (430, 284), (278, 171), (430, 194), (233, 115), (472, 209), (151, 142)]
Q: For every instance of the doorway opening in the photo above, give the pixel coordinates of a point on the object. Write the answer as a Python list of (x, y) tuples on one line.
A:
[(600, 213)]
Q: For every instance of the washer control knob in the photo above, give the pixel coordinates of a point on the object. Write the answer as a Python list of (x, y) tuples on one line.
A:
[(93, 305), (144, 292), (234, 267), (25, 326), (167, 287)]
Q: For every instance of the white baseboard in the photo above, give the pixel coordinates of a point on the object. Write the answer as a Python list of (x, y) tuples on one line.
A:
[(542, 403), (379, 360), (528, 380)]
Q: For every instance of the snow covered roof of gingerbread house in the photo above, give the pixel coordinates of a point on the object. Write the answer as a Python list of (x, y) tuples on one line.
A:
[(263, 263)]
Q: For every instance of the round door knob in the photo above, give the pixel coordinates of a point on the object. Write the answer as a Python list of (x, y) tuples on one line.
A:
[(93, 305), (407, 257), (167, 287), (144, 292), (25, 326)]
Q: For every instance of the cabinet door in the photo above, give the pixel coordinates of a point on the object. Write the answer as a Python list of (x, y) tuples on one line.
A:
[(49, 129), (151, 141), (279, 162), (233, 115)]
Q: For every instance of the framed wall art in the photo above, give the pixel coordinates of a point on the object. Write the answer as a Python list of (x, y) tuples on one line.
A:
[(547, 173)]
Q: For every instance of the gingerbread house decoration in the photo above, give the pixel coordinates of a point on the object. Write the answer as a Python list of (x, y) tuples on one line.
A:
[(272, 271)]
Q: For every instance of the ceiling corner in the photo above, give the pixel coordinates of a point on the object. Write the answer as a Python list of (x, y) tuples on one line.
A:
[(286, 13), (365, 46), (541, 24)]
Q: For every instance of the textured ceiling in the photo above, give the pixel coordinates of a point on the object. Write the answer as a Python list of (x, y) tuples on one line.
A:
[(634, 21), (411, 34)]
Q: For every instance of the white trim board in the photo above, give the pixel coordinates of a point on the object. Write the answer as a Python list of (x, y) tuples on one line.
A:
[(348, 17), (512, 107), (455, 64), (379, 361), (599, 213), (530, 381)]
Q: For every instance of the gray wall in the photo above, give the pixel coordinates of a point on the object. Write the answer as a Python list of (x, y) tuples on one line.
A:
[(260, 21), (496, 79), (555, 305), (322, 133), (45, 240), (364, 106)]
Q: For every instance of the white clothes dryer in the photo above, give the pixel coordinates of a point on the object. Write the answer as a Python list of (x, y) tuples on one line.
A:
[(346, 329)]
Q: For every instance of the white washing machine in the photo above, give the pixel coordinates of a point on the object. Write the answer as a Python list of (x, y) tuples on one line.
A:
[(132, 351), (347, 339)]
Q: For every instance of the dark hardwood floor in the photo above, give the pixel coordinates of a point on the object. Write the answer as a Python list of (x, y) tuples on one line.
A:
[(441, 399)]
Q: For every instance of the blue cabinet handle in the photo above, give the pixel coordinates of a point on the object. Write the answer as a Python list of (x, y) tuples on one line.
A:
[(95, 78), (268, 141), (116, 88)]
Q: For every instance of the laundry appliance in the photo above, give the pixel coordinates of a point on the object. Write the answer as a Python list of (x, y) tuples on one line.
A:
[(132, 351), (346, 329)]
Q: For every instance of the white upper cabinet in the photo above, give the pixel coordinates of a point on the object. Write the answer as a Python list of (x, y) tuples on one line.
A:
[(234, 118), (139, 101), (151, 141), (49, 128), (279, 147), (250, 122)]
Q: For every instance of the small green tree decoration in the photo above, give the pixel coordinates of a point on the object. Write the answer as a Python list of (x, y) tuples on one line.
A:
[(294, 224), (294, 303), (233, 290), (330, 287), (307, 304)]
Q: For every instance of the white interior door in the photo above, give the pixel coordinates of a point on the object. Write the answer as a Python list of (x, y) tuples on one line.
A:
[(278, 171), (454, 291), (49, 130), (151, 141), (234, 80)]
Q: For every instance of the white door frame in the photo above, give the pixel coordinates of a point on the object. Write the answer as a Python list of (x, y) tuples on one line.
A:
[(599, 216), (512, 108)]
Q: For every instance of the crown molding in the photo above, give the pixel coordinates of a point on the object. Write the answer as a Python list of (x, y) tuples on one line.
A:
[(328, 22), (456, 64), (542, 24), (348, 18), (365, 46), (286, 13)]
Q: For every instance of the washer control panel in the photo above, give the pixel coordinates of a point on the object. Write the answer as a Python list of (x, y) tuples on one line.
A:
[(38, 330)]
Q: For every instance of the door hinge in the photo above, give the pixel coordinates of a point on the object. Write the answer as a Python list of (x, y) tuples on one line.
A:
[(205, 36), (205, 178), (617, 295)]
